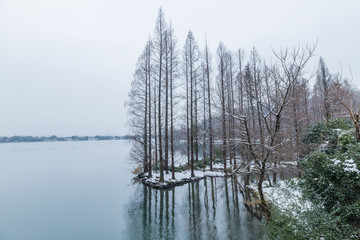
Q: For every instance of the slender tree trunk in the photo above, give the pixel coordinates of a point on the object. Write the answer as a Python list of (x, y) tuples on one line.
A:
[(166, 105), (295, 120), (223, 114), (211, 141), (172, 110), (145, 161), (159, 117), (149, 90), (187, 114), (191, 55), (232, 133), (196, 122), (204, 121), (228, 110), (159, 130), (191, 121), (155, 130)]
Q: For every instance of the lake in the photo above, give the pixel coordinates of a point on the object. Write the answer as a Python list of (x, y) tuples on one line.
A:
[(84, 190)]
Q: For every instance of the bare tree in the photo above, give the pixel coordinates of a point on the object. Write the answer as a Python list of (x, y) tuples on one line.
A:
[(350, 100), (289, 67), (207, 70), (323, 82), (148, 69), (191, 57), (138, 108), (158, 53), (173, 74), (221, 54)]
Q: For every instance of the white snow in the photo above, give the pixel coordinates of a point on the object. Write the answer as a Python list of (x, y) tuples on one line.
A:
[(184, 175), (336, 162), (289, 163), (348, 165), (213, 174), (180, 160), (324, 146), (287, 196)]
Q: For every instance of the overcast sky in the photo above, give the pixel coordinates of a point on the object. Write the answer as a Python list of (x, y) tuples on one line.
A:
[(66, 65)]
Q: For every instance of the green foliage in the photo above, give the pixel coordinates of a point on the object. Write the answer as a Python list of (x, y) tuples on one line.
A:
[(315, 133), (331, 182), (218, 154), (333, 178), (339, 123), (199, 165), (320, 132), (346, 140), (325, 133), (281, 226), (308, 225), (179, 168)]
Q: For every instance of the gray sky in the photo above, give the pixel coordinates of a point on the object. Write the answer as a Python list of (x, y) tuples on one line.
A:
[(66, 65)]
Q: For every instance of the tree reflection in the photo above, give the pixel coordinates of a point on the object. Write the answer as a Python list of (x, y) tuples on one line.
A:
[(208, 209)]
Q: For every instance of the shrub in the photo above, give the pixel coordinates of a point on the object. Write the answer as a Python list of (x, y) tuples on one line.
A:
[(331, 181), (315, 133), (294, 216), (334, 179), (325, 134), (346, 140), (310, 225)]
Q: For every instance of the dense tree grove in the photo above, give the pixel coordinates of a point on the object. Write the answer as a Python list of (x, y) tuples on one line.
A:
[(245, 112)]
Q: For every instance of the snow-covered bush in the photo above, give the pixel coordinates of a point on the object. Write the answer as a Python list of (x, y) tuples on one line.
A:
[(315, 224), (324, 135), (295, 217), (330, 181), (333, 180)]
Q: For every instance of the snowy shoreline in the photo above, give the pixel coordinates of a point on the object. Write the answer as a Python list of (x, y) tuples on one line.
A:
[(181, 178), (185, 176)]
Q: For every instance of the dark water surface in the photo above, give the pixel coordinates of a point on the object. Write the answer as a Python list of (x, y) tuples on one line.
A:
[(83, 190)]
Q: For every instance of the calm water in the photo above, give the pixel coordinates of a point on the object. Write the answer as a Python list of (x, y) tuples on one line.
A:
[(83, 190)]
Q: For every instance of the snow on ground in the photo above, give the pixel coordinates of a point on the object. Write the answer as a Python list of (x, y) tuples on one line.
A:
[(289, 163), (287, 196), (187, 175), (220, 165), (180, 178)]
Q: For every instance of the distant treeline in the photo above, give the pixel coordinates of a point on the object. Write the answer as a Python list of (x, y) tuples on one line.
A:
[(59, 139)]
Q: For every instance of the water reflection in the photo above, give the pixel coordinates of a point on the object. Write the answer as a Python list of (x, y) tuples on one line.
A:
[(209, 209)]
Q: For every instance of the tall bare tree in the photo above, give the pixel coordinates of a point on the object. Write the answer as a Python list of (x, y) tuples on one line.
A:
[(191, 57), (207, 73), (158, 53), (221, 55), (173, 75)]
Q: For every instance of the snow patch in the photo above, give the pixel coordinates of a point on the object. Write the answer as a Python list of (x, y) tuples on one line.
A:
[(348, 165), (180, 178)]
